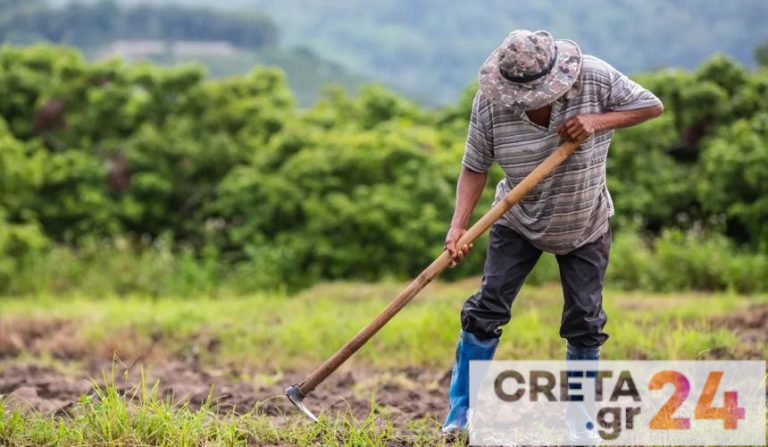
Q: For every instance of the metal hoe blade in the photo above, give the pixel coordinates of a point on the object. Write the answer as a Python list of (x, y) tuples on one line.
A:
[(294, 394)]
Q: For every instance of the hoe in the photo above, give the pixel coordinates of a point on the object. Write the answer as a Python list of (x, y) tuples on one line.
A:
[(297, 392)]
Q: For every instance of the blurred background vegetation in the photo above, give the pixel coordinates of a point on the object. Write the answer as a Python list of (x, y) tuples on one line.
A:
[(426, 49), (227, 42), (121, 177)]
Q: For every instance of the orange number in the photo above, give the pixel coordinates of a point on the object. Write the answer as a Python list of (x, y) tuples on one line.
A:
[(663, 420), (730, 412)]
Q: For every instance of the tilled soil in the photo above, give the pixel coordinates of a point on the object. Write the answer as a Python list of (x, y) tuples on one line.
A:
[(405, 394), (751, 325)]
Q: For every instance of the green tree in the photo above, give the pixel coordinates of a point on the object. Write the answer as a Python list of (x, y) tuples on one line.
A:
[(735, 178), (22, 169)]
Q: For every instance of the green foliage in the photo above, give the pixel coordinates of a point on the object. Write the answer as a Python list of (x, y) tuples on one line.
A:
[(735, 178), (671, 171), (646, 182), (134, 178), (18, 243), (685, 260), (113, 267), (361, 201), (21, 174)]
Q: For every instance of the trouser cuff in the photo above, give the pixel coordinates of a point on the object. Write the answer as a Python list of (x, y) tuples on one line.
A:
[(581, 353)]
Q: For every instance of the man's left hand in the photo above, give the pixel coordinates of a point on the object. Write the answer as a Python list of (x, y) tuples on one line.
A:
[(580, 126)]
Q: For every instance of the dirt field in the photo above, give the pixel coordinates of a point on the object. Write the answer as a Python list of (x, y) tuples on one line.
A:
[(405, 394), (82, 370)]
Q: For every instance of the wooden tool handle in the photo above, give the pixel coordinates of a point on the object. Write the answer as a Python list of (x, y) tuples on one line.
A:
[(437, 266)]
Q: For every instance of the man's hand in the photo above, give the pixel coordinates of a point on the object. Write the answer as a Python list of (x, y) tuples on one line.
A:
[(451, 239), (580, 126), (583, 126)]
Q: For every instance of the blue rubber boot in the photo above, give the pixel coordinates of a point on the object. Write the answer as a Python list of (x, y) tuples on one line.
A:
[(468, 348), (577, 413)]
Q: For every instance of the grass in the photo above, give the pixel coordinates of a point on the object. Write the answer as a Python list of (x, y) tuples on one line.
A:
[(109, 419), (265, 334), (141, 418), (273, 332)]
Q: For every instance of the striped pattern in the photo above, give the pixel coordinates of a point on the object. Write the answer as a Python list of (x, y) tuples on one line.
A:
[(571, 207)]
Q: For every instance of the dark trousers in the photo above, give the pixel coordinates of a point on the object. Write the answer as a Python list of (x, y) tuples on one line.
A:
[(509, 260)]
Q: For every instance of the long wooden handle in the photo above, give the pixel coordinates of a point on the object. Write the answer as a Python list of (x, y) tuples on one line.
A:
[(437, 266)]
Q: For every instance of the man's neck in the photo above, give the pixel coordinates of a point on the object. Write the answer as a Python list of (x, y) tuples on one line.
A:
[(540, 116)]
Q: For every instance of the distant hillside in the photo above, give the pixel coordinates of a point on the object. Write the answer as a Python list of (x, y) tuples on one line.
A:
[(307, 73), (93, 25), (227, 42), (433, 48)]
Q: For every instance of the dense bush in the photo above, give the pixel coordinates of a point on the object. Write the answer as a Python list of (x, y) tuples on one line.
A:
[(203, 183), (674, 261), (735, 178), (685, 260)]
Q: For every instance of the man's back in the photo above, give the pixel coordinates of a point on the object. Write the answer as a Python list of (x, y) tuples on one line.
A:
[(571, 207)]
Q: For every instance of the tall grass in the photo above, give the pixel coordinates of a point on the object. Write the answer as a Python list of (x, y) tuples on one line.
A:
[(674, 261)]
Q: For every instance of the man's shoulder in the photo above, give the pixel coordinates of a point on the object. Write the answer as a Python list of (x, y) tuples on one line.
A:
[(596, 70), (481, 101), (487, 109)]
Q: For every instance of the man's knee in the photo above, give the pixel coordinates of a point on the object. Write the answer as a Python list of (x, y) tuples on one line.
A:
[(484, 312), (509, 260), (582, 273), (585, 330)]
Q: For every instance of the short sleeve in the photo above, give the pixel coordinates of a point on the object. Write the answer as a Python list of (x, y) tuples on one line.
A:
[(626, 94), (478, 150)]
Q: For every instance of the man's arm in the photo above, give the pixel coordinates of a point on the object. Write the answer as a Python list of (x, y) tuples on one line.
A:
[(624, 101), (582, 126), (469, 188)]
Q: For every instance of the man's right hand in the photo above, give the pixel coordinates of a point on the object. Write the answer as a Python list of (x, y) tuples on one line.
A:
[(451, 241)]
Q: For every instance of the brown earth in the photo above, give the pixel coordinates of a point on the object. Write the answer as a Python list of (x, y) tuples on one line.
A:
[(405, 394), (751, 325), (38, 336)]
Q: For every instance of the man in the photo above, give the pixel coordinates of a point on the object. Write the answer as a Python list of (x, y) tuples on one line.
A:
[(534, 92)]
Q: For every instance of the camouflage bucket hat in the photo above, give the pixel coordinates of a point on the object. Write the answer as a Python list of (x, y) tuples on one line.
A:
[(530, 70)]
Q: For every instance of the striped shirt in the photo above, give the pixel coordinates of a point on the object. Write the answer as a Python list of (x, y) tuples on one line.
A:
[(571, 206)]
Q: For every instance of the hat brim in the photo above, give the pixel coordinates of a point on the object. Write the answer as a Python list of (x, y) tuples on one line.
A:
[(535, 94)]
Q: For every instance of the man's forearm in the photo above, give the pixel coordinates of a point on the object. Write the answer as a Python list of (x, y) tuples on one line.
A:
[(582, 126), (619, 119), (468, 191)]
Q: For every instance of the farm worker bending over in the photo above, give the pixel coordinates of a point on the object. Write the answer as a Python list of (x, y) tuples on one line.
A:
[(534, 92)]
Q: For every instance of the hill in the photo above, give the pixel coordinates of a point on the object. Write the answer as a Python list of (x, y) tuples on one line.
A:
[(225, 42), (431, 49)]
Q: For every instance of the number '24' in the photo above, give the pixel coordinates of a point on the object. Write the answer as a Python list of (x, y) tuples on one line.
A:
[(664, 419)]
